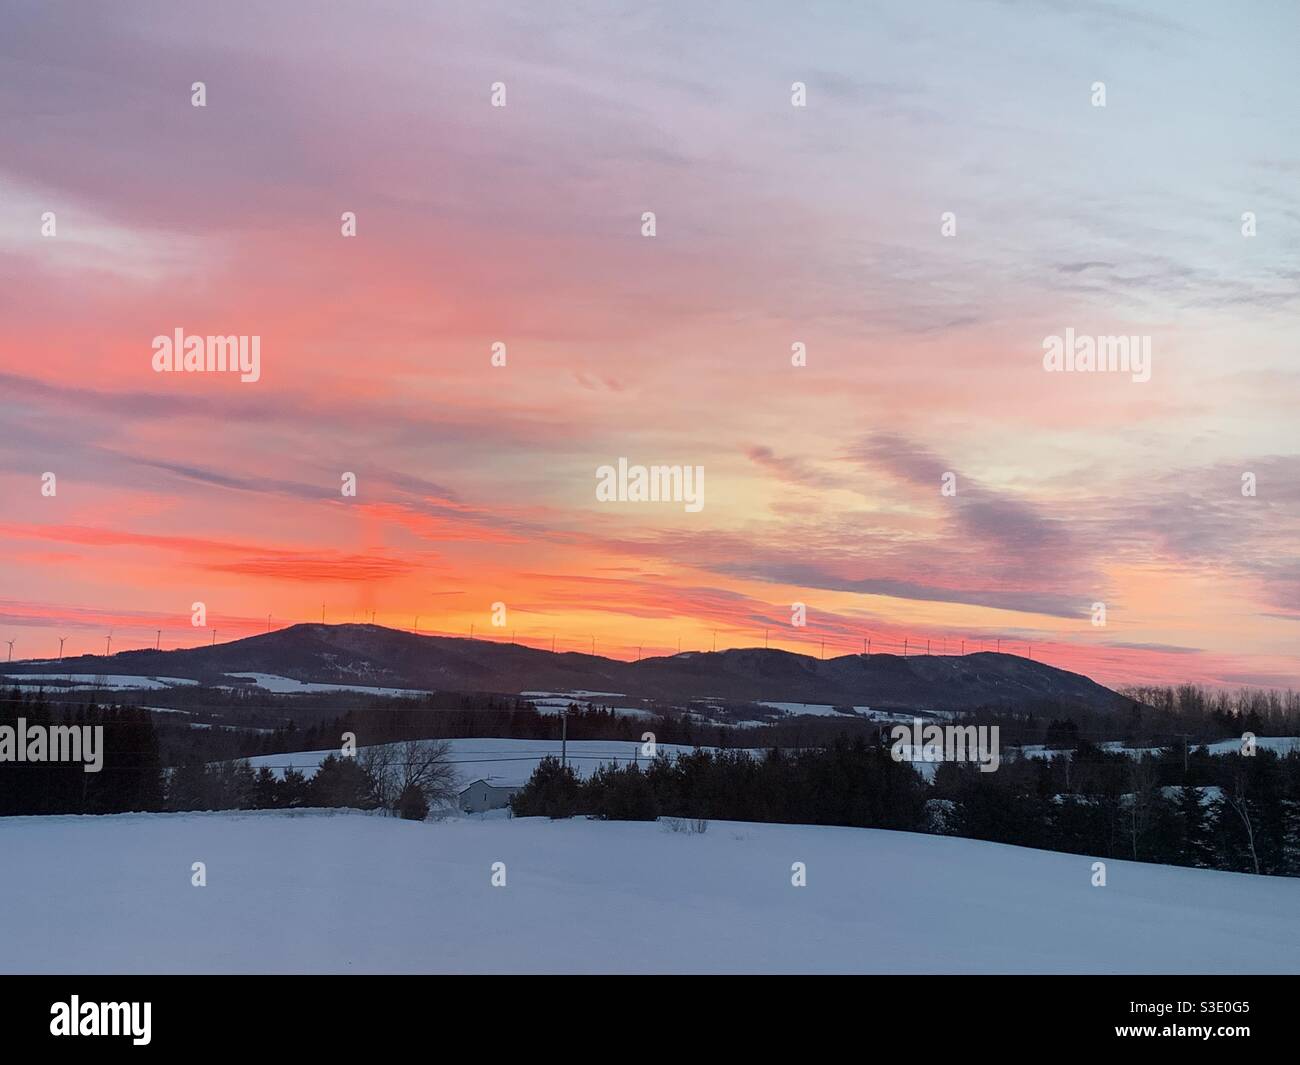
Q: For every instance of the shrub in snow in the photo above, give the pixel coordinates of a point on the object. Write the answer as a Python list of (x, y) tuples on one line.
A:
[(412, 805)]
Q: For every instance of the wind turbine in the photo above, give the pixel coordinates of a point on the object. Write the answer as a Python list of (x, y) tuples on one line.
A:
[(11, 649), (61, 639)]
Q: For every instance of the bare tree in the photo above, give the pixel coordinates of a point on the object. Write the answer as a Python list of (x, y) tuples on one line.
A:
[(426, 764), (1142, 777), (378, 764), (1236, 801)]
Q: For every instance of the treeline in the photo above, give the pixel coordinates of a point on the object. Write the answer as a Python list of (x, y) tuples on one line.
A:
[(130, 776), (405, 778), (1230, 812), (849, 783), (1155, 717), (509, 720), (339, 782), (1210, 715)]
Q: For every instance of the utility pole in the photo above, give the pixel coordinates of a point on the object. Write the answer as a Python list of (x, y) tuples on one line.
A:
[(552, 643), (638, 653), (214, 637), (904, 646), (564, 737), (999, 646), (715, 641), (157, 646), (927, 647), (963, 647), (322, 613), (417, 624), (868, 645), (823, 650)]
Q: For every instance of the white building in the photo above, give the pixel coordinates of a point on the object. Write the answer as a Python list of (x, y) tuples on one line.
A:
[(479, 795)]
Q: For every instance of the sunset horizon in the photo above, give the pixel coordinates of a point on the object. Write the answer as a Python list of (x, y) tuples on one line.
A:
[(872, 305)]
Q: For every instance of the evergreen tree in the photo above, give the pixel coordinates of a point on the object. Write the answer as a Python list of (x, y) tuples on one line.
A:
[(341, 782), (552, 791), (266, 790), (1194, 849)]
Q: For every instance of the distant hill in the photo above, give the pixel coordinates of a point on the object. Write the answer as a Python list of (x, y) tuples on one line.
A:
[(374, 655)]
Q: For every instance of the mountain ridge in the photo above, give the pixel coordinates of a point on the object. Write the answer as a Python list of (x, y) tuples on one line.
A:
[(374, 655)]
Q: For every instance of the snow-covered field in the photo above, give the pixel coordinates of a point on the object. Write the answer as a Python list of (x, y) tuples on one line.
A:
[(1280, 744), (270, 682), (345, 892), (558, 702), (498, 761), (288, 686), (812, 709), (82, 681), (827, 710)]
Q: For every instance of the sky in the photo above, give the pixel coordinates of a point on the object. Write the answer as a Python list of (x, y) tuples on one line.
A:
[(774, 225)]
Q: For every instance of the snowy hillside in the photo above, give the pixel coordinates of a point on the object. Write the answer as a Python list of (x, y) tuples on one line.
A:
[(347, 892), (498, 761)]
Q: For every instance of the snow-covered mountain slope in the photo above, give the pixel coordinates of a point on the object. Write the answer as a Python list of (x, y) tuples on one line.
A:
[(344, 892)]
